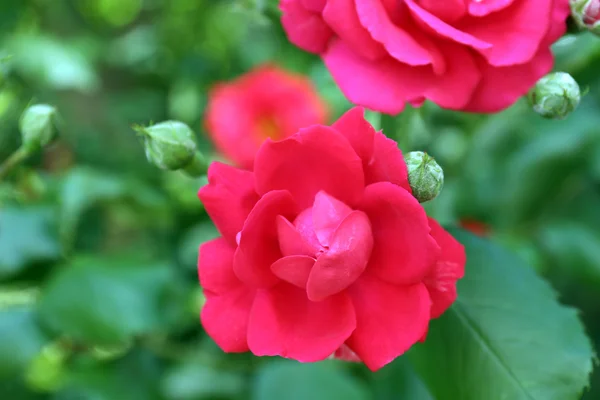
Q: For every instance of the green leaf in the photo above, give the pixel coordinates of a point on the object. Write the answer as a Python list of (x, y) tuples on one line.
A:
[(293, 381), (21, 340), (506, 337), (193, 380), (105, 301), (398, 380), (27, 235), (193, 238)]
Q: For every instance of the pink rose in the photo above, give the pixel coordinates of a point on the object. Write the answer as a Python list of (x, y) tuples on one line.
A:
[(324, 250), (471, 55)]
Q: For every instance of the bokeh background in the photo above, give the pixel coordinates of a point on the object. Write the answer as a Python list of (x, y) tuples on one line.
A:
[(99, 297)]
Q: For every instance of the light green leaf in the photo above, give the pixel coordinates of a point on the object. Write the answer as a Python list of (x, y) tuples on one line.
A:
[(506, 337), (27, 235), (193, 380), (294, 381), (193, 238)]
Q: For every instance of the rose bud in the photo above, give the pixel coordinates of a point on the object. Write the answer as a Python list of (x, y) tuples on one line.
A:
[(38, 126), (324, 251), (555, 96), (586, 14), (170, 145), (425, 176)]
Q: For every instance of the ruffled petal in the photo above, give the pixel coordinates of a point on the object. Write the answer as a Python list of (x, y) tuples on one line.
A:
[(283, 322), (359, 132), (316, 158), (327, 214), (215, 266), (389, 319), (387, 163), (228, 198), (291, 242), (294, 269), (403, 250), (258, 245), (304, 28)]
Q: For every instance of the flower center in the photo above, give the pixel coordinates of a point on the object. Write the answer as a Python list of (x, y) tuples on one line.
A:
[(267, 127)]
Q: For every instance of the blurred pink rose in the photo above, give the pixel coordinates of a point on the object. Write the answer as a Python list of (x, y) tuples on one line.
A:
[(471, 55)]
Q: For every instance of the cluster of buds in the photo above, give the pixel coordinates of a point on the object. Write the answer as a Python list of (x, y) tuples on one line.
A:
[(586, 14)]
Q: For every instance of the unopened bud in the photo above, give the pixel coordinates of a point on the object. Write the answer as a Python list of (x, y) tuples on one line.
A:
[(425, 176), (555, 96), (169, 145), (46, 371), (586, 14), (38, 126)]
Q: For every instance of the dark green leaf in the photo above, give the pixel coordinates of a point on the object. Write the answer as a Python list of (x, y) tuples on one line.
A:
[(105, 301), (188, 248), (27, 235), (506, 337), (20, 340), (294, 381)]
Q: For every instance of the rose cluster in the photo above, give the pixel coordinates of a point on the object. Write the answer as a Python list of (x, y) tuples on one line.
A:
[(324, 250)]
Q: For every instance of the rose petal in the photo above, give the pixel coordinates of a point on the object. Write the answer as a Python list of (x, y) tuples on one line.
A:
[(450, 267), (283, 322), (403, 252), (483, 8), (502, 87), (291, 242), (344, 353), (389, 319), (514, 38), (314, 5), (358, 131), (304, 28), (259, 245), (385, 85), (225, 319), (215, 266), (304, 226), (327, 214), (387, 163), (316, 158), (294, 269), (228, 198), (398, 43), (448, 11), (443, 29), (345, 260), (342, 18)]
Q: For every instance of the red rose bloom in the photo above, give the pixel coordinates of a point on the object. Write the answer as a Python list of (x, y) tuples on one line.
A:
[(266, 103), (473, 55), (325, 252)]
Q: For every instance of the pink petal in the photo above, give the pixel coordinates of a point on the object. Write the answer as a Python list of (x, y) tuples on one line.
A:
[(450, 267), (228, 198), (294, 269), (514, 37), (389, 319), (346, 354), (485, 7), (385, 85), (316, 158), (259, 245), (327, 214), (398, 43), (448, 11), (345, 260), (283, 322), (558, 24), (304, 28), (225, 318), (314, 5), (501, 87), (358, 131), (342, 18), (443, 29), (291, 242), (456, 86), (304, 226), (403, 252), (387, 163), (215, 267)]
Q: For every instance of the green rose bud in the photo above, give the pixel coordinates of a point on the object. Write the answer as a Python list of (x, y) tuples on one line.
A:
[(169, 145), (425, 176), (555, 96), (46, 371), (586, 14), (38, 126)]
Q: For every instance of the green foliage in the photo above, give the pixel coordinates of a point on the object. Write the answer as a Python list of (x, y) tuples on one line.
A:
[(99, 295)]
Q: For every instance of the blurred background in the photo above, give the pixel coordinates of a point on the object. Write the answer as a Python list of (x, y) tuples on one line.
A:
[(99, 297)]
